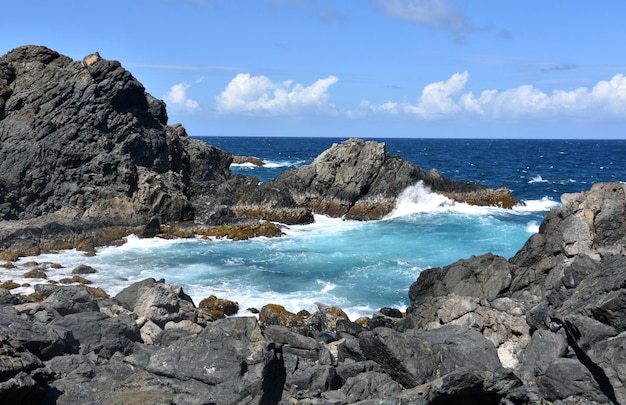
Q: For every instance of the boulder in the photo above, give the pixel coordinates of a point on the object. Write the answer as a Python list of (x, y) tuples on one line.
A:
[(219, 307), (98, 333), (234, 368), (83, 269), (274, 314), (157, 301), (413, 357)]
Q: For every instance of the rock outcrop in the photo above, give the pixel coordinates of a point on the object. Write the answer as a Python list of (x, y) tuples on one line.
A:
[(84, 147), (555, 311), (86, 139), (547, 326), (361, 180)]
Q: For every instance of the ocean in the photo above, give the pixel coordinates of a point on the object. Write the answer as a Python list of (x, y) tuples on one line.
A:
[(358, 266)]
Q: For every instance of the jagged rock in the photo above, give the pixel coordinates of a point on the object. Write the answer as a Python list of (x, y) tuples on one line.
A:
[(361, 180), (152, 229), (36, 337), (84, 137), (413, 357), (157, 301), (555, 308), (84, 148)]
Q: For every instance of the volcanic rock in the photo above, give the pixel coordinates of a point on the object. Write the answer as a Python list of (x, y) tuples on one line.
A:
[(555, 309), (361, 180), (84, 147)]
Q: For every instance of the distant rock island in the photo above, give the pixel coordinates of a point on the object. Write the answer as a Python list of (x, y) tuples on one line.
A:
[(87, 157)]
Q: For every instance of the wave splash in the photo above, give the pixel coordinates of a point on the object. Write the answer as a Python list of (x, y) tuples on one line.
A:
[(418, 199)]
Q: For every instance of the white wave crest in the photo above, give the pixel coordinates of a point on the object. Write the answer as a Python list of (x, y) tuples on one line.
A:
[(532, 227), (537, 179), (419, 199), (269, 164), (545, 204)]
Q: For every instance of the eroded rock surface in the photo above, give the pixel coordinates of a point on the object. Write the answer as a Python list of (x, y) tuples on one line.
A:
[(359, 179)]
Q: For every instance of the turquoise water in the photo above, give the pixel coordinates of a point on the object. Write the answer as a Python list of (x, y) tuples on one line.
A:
[(359, 266)]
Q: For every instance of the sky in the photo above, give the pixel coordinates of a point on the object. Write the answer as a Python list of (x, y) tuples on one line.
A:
[(356, 68)]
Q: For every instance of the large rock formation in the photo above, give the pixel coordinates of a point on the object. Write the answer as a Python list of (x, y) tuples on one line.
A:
[(555, 311), (361, 180), (83, 146), (547, 326), (86, 139)]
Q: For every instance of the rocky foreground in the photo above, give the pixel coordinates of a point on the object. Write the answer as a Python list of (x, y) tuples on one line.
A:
[(87, 157), (547, 326)]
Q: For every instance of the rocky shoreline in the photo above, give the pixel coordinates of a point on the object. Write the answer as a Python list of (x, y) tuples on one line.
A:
[(87, 157), (547, 326)]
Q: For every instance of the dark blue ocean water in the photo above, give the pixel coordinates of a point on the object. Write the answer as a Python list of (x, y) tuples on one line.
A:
[(531, 168), (363, 266)]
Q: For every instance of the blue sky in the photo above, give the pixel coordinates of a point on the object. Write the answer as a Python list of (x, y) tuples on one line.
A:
[(363, 68)]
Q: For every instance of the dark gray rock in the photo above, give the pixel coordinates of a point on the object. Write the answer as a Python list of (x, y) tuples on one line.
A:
[(331, 185), (370, 385), (76, 135), (152, 228), (98, 333), (414, 357), (36, 337), (234, 368), (7, 298), (69, 300), (285, 336), (157, 301)]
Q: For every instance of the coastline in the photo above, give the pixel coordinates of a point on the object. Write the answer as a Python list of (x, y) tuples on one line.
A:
[(521, 324), (484, 328)]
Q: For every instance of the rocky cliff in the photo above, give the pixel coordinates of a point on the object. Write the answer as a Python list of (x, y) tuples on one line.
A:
[(83, 146), (547, 326)]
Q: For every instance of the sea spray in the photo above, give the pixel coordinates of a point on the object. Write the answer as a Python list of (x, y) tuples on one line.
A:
[(419, 199)]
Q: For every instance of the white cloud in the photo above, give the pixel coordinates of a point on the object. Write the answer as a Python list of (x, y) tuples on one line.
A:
[(258, 94), (437, 97), (447, 99), (434, 13), (177, 99)]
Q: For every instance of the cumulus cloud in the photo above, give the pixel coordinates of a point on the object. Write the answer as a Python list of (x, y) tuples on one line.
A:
[(447, 99), (437, 98), (441, 14), (177, 99), (258, 94)]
